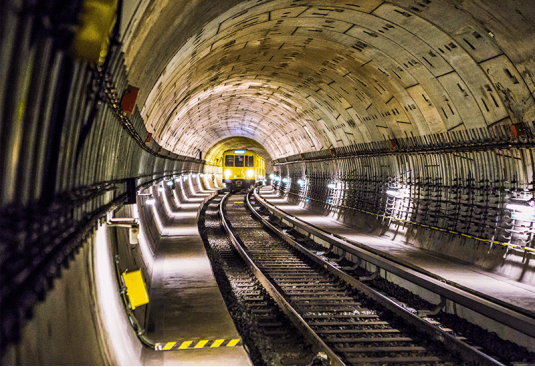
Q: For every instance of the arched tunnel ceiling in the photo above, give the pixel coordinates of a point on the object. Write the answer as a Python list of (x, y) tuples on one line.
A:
[(236, 142), (301, 75)]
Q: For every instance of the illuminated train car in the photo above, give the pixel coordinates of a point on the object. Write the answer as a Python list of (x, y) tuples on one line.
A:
[(242, 168)]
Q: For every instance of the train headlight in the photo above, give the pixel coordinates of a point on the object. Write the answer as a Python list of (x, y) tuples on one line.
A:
[(250, 173), (228, 173)]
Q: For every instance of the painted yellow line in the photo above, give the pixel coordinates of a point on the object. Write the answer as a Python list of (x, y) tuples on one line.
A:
[(169, 345), (233, 342), (201, 343), (185, 345), (217, 343)]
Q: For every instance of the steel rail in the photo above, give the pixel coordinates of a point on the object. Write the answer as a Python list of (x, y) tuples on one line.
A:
[(480, 305), (469, 353), (277, 297)]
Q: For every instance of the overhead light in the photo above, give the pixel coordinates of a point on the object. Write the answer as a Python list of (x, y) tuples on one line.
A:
[(394, 192), (522, 206), (272, 176), (160, 189), (307, 200), (331, 186), (301, 182), (169, 183), (194, 175), (239, 152), (285, 180), (150, 201), (201, 174), (185, 178)]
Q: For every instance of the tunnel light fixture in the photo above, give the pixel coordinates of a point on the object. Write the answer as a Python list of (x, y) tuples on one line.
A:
[(301, 182), (331, 186), (307, 200), (150, 201), (394, 192), (185, 178), (285, 180), (239, 152), (193, 175), (170, 183), (522, 206), (160, 189), (201, 175), (272, 176)]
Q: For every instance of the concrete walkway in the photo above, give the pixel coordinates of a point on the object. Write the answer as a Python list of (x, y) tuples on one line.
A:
[(186, 304), (508, 291)]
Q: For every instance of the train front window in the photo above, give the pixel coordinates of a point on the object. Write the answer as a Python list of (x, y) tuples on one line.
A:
[(229, 161), (249, 161), (239, 161)]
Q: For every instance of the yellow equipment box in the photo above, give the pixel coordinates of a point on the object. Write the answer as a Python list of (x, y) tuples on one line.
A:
[(136, 288)]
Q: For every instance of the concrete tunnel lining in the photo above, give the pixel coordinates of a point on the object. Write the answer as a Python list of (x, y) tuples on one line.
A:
[(280, 77), (302, 77)]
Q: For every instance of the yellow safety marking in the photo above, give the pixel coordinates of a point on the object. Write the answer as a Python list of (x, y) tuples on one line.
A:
[(185, 345), (217, 343), (169, 345), (201, 343), (233, 342)]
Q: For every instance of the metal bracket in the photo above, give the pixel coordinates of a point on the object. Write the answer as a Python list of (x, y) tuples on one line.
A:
[(436, 310), (373, 276), (352, 268)]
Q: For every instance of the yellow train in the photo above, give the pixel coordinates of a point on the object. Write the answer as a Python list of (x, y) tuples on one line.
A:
[(242, 168)]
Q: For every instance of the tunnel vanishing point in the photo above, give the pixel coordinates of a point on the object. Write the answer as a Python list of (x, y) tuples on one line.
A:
[(413, 119)]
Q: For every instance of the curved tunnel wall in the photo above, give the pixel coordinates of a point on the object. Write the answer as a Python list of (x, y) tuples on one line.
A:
[(450, 203), (67, 153), (368, 80)]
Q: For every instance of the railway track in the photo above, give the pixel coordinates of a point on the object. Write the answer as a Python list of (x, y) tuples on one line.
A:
[(345, 319), (269, 336)]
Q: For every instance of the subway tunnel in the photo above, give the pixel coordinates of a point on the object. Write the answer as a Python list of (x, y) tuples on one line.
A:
[(409, 121)]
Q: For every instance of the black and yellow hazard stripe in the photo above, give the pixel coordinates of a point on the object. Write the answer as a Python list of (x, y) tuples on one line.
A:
[(499, 243), (198, 344)]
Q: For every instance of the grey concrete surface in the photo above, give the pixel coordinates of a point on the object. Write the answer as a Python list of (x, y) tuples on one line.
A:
[(186, 303), (468, 275)]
